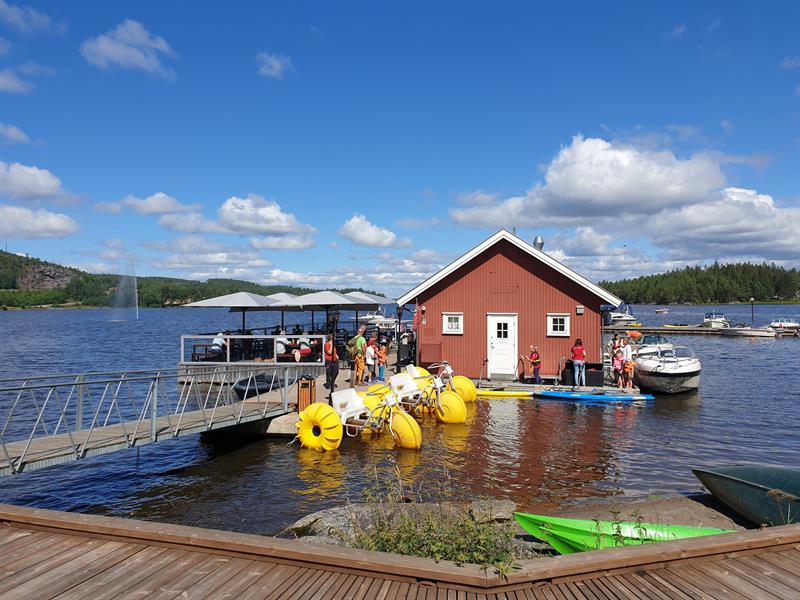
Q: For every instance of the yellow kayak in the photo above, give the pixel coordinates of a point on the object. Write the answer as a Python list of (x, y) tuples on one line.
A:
[(504, 394)]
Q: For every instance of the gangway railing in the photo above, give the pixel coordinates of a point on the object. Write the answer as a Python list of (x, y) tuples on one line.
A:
[(50, 419)]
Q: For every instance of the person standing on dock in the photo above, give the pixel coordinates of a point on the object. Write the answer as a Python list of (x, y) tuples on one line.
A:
[(360, 351), (535, 360), (628, 364), (331, 364), (579, 363)]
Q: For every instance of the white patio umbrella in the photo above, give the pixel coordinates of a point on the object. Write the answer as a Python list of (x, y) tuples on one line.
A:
[(327, 300), (283, 298), (239, 301), (366, 297)]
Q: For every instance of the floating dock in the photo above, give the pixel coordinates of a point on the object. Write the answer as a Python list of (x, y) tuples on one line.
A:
[(680, 330), (47, 554)]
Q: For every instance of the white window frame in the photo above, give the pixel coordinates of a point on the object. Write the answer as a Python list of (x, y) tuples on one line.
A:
[(446, 330), (550, 332)]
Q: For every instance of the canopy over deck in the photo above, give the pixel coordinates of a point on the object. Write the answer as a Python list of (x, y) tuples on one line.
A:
[(239, 301)]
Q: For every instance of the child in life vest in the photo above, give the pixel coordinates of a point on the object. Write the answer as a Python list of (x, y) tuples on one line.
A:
[(617, 364), (381, 358)]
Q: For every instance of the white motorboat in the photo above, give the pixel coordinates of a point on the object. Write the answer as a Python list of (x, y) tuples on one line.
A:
[(662, 311), (617, 317), (715, 320), (666, 368), (783, 324), (378, 318), (747, 331)]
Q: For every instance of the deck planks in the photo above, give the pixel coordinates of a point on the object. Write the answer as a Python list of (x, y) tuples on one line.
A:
[(49, 559)]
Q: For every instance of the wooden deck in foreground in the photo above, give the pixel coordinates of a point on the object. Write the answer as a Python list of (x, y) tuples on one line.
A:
[(52, 555)]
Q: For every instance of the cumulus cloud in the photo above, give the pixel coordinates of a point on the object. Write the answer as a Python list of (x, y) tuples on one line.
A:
[(156, 204), (20, 222), (129, 46), (273, 66), (13, 134), (32, 68), (23, 18), (28, 183), (359, 230), (265, 220), (12, 83), (736, 222), (790, 62), (595, 178)]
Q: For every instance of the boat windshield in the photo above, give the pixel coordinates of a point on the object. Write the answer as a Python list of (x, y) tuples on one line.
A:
[(683, 352), (713, 315), (654, 339)]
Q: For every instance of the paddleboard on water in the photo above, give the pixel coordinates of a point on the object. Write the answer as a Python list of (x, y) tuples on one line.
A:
[(598, 396)]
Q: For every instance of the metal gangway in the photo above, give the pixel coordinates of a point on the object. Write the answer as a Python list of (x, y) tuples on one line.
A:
[(52, 419)]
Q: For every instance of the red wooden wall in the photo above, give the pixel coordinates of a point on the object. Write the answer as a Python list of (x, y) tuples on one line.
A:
[(506, 279)]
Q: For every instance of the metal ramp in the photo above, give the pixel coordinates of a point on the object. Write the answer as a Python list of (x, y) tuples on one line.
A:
[(48, 420)]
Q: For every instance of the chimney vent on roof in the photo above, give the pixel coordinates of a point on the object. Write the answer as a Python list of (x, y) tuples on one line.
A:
[(538, 243)]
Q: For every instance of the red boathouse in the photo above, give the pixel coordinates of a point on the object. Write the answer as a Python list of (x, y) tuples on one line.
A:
[(499, 298)]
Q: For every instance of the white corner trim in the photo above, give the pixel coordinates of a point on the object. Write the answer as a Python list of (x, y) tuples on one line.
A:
[(608, 297)]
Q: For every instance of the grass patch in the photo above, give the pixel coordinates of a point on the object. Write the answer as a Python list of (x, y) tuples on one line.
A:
[(446, 528)]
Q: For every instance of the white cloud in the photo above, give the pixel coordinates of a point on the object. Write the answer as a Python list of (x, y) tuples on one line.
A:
[(289, 241), (734, 222), (28, 183), (129, 46), (193, 222), (32, 68), (158, 204), (595, 178), (359, 230), (23, 18), (273, 66), (13, 134), (19, 222), (5, 46), (676, 32), (10, 82), (790, 62), (108, 207), (727, 126)]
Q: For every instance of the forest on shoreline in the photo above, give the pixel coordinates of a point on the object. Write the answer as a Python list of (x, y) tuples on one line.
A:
[(714, 284)]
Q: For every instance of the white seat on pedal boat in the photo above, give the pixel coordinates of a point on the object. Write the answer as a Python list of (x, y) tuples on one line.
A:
[(349, 405), (404, 387)]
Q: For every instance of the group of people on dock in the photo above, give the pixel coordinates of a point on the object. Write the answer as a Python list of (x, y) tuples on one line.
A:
[(622, 364), (368, 358), (577, 354)]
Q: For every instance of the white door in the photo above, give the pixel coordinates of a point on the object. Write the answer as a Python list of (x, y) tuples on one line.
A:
[(502, 336)]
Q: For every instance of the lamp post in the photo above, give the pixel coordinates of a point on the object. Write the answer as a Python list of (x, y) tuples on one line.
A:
[(752, 312)]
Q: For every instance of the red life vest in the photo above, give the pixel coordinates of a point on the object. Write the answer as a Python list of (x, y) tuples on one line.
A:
[(330, 352), (536, 360), (578, 353)]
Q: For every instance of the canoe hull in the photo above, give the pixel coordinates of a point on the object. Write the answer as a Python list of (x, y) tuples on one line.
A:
[(568, 536), (762, 495), (591, 396)]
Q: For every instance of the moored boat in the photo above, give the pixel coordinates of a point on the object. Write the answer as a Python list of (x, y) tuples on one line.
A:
[(568, 536), (662, 311), (761, 494), (666, 368), (247, 387), (747, 331), (620, 316), (782, 324), (715, 320)]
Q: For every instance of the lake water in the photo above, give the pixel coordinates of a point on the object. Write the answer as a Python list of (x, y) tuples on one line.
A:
[(541, 454)]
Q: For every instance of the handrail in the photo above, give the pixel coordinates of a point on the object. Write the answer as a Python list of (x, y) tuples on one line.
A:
[(128, 408)]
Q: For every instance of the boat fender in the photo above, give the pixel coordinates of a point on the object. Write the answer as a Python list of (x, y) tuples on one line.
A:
[(320, 428)]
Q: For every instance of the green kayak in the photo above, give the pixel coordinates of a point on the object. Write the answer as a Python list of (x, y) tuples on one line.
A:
[(577, 535)]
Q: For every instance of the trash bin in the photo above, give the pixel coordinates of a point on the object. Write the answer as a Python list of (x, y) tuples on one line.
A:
[(594, 375), (306, 392)]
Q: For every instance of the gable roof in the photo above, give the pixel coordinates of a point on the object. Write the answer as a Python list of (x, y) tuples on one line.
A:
[(606, 296)]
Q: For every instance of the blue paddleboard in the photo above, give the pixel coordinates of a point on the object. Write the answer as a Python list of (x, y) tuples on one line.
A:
[(592, 396)]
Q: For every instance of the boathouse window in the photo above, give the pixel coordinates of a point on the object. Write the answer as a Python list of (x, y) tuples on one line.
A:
[(558, 325), (452, 323)]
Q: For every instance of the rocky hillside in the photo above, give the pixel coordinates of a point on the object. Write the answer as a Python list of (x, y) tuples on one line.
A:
[(24, 273)]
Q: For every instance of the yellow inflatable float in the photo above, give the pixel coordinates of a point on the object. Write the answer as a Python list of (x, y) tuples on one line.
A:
[(450, 408), (464, 387)]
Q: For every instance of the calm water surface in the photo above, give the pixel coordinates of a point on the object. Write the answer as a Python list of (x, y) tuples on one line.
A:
[(538, 453)]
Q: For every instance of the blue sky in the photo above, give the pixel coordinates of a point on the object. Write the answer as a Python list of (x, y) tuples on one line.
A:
[(331, 145)]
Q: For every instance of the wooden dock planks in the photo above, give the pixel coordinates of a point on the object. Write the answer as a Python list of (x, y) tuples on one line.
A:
[(60, 556)]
